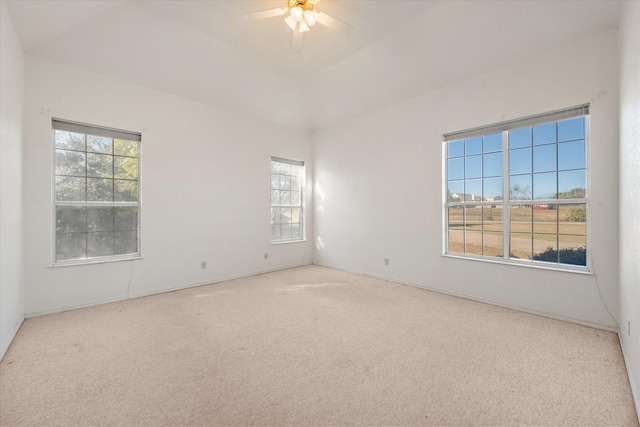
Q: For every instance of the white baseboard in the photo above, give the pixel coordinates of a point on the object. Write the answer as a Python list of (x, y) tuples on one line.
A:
[(482, 300), (155, 292), (7, 342)]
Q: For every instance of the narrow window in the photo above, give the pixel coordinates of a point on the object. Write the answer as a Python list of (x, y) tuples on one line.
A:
[(96, 193), (287, 200), (517, 191)]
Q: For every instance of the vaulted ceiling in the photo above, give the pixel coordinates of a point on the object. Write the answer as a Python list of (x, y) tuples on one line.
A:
[(206, 51)]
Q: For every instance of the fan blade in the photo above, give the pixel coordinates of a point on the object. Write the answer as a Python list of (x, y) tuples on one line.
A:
[(265, 14), (296, 43), (334, 24)]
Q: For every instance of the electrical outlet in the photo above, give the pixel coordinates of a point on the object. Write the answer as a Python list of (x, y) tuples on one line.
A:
[(203, 265), (266, 255), (386, 261)]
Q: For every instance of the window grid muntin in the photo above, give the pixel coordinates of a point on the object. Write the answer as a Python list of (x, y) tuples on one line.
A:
[(581, 201), (129, 141)]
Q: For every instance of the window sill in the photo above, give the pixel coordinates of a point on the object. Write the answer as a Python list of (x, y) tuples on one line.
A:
[(528, 264), (75, 263), (288, 242)]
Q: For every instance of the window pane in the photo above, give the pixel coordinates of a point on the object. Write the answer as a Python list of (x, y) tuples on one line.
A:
[(100, 219), (296, 170), (545, 219), (492, 164), (545, 186), (99, 165), (571, 129), (473, 146), (275, 232), (70, 163), (285, 231), (573, 250), (295, 198), (473, 167), (545, 248), (296, 231), (473, 243), (69, 140), (123, 147), (573, 219), (126, 218), (275, 197), (455, 191), (456, 242), (492, 143), (285, 169), (492, 189), (99, 244), (295, 215), (521, 219), (520, 245), (285, 216), (455, 148), (544, 134), (125, 168), (572, 184), (473, 190), (544, 158), (71, 219), (455, 168), (125, 242), (99, 144), (285, 198), (295, 183), (520, 138), (520, 187), (275, 167), (456, 218), (125, 191), (520, 161), (492, 218), (571, 155), (71, 246), (492, 244), (99, 190), (285, 182), (275, 216), (71, 189), (275, 182)]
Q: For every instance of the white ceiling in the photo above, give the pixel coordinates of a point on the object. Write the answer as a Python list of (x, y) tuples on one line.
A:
[(205, 50)]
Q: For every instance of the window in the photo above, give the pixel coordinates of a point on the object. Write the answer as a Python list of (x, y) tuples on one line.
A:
[(96, 193), (517, 191), (287, 183)]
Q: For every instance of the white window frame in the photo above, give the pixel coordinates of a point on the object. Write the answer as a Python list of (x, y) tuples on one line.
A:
[(301, 237), (507, 202), (94, 130)]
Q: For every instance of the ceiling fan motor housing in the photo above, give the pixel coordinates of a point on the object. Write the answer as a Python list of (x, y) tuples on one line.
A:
[(302, 4)]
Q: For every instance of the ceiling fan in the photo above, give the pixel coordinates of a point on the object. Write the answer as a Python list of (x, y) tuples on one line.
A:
[(301, 17)]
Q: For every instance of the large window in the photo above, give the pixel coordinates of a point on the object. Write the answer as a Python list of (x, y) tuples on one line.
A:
[(287, 184), (517, 191), (96, 193)]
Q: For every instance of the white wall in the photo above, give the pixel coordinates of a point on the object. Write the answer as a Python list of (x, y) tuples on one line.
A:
[(378, 182), (11, 255), (205, 179), (629, 184)]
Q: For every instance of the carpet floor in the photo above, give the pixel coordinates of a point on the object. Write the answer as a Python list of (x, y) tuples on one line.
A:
[(311, 346)]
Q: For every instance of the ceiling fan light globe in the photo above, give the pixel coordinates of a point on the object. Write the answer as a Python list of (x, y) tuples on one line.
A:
[(296, 13), (291, 22), (303, 27), (311, 17)]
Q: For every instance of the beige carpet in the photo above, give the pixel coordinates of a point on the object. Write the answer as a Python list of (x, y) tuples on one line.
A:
[(311, 346)]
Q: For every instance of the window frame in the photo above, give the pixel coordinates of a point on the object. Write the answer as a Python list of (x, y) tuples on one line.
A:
[(507, 202), (94, 130), (302, 222)]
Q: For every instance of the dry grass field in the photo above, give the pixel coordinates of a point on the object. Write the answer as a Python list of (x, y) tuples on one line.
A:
[(478, 230)]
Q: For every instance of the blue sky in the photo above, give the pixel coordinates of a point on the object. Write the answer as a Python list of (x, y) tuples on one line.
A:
[(543, 160)]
